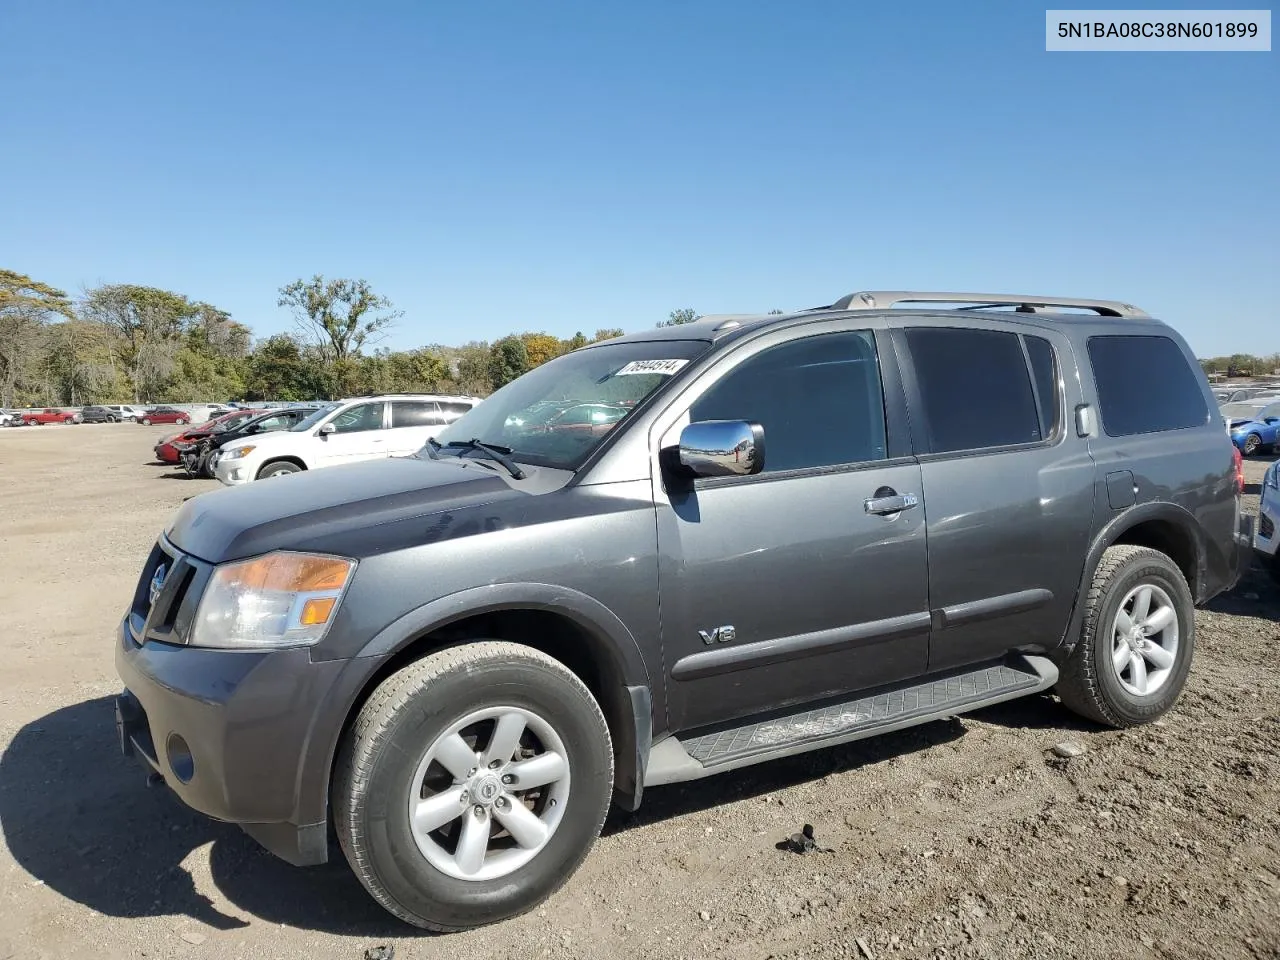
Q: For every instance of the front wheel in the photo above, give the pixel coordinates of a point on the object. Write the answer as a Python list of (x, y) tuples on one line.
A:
[(146, 421), (180, 422), (1137, 641), (1252, 443), (472, 784), (278, 469)]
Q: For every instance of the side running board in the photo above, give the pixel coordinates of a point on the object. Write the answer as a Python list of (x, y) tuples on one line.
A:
[(701, 754)]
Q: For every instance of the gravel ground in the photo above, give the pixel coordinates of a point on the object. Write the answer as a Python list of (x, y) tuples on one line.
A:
[(956, 839)]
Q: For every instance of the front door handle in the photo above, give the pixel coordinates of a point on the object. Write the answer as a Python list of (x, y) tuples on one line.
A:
[(889, 504)]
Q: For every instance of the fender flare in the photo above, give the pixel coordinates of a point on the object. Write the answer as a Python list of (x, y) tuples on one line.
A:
[(1117, 527)]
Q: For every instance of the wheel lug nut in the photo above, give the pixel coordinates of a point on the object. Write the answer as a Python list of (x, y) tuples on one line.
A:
[(501, 802), (494, 764), (471, 772), (479, 811), (508, 778)]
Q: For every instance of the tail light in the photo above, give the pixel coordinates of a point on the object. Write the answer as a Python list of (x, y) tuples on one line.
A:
[(1237, 462)]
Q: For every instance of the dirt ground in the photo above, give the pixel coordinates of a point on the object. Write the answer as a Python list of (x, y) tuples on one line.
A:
[(956, 839)]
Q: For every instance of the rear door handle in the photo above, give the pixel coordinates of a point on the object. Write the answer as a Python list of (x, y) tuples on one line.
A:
[(892, 504)]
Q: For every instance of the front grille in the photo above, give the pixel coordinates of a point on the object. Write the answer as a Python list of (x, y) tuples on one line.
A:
[(162, 610)]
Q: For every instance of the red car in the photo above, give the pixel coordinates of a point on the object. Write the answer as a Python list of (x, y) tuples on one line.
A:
[(38, 418), (164, 415), (166, 452)]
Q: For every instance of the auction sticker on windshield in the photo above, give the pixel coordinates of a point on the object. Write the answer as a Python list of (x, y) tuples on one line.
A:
[(667, 367)]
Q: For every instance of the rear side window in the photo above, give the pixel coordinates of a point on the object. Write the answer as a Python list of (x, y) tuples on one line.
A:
[(1145, 385), (975, 388), (415, 413), (452, 411)]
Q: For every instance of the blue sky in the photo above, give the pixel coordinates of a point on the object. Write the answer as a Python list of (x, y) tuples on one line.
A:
[(506, 166)]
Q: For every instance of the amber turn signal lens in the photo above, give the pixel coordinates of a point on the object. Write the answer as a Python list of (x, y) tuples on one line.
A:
[(317, 610), (290, 572)]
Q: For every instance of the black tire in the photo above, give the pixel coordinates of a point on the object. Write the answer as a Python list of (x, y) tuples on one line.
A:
[(1252, 444), (380, 756), (146, 421), (278, 468), (1088, 684)]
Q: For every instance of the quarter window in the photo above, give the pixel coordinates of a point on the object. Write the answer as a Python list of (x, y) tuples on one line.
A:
[(975, 388), (1145, 385), (1044, 373), (819, 400)]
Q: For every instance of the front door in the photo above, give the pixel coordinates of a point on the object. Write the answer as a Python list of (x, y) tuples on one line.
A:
[(794, 584), (358, 435)]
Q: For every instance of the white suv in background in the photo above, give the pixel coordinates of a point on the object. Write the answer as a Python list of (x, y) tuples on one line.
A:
[(363, 428)]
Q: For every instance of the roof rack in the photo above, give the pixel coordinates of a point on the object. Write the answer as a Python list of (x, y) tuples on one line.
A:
[(885, 299)]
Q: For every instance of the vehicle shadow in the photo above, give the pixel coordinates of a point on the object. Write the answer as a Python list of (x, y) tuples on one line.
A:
[(77, 816)]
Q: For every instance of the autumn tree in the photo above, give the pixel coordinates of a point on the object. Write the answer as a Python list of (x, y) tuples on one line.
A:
[(26, 305), (541, 347), (341, 316)]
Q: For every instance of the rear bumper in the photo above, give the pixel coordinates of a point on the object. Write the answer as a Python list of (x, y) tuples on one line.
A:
[(231, 733), (1266, 539)]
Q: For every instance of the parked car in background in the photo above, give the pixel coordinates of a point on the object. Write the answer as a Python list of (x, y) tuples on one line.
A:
[(166, 450), (364, 428), (96, 414), (1254, 425), (1266, 540), (200, 456), (38, 418), (202, 412), (1236, 394), (124, 411), (164, 415), (10, 418)]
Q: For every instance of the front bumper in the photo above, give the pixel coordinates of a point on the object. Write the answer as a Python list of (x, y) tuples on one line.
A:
[(232, 472), (233, 734)]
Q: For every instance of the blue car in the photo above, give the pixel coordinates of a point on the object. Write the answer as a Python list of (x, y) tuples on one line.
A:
[(1254, 424)]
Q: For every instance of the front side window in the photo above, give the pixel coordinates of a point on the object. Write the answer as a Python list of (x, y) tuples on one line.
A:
[(1145, 385), (415, 413), (819, 400), (975, 388), (361, 417), (525, 415)]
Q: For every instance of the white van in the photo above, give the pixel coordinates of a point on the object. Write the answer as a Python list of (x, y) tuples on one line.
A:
[(363, 428)]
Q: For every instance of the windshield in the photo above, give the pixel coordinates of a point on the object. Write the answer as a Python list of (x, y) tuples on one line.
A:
[(302, 426), (1241, 411), (557, 414)]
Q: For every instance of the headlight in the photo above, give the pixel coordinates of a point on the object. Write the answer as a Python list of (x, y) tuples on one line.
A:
[(277, 600), (235, 453)]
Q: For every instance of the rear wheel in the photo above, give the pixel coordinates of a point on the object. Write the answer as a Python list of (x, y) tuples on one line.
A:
[(278, 469), (1252, 443), (1137, 641), (472, 784)]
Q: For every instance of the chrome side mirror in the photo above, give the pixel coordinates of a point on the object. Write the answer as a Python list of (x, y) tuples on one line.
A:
[(722, 448), (327, 429)]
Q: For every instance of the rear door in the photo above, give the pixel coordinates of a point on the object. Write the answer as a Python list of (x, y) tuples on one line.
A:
[(785, 587), (1008, 489), (359, 434), (413, 422)]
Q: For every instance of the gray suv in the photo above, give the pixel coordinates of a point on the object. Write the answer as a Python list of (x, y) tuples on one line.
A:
[(766, 535)]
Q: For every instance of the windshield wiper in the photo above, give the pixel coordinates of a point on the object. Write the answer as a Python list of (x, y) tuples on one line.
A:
[(494, 451)]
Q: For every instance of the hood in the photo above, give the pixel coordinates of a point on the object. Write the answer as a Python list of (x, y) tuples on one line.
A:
[(316, 508), (1239, 422)]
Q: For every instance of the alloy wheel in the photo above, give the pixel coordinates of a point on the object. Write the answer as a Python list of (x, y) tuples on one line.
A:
[(1144, 640)]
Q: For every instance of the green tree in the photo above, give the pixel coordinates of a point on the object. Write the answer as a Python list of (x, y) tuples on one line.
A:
[(278, 370), (341, 316), (470, 368), (26, 305), (147, 323), (508, 359), (679, 317), (579, 339), (607, 333)]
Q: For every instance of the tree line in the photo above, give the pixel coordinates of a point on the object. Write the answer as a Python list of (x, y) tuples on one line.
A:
[(1242, 365), (128, 343)]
